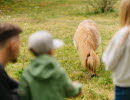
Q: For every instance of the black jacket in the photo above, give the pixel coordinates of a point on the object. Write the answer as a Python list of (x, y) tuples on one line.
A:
[(7, 86)]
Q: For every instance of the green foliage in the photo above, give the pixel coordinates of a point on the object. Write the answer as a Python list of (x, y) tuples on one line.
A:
[(101, 5), (19, 73)]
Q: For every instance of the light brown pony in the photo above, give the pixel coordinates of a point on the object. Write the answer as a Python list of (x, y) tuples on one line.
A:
[(87, 39)]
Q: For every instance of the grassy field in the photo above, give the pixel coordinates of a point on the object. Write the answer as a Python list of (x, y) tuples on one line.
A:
[(61, 18)]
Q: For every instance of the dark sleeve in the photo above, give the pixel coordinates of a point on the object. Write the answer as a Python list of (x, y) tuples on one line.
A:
[(4, 93), (13, 84)]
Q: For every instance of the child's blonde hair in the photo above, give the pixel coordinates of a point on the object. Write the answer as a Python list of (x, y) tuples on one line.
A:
[(125, 13)]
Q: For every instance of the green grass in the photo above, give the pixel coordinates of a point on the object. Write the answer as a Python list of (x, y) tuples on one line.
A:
[(61, 18)]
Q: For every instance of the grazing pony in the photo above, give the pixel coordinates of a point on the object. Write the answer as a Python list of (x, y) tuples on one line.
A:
[(87, 39)]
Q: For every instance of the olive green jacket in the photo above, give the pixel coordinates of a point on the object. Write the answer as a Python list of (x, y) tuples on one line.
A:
[(45, 79)]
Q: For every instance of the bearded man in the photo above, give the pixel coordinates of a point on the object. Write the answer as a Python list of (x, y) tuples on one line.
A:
[(9, 50)]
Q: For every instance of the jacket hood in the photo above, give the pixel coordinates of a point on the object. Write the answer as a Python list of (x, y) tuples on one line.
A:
[(43, 67)]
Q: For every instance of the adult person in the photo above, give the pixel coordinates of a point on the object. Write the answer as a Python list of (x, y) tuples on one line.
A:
[(117, 55), (9, 50)]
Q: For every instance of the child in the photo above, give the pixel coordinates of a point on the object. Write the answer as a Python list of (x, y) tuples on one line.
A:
[(45, 79), (117, 55)]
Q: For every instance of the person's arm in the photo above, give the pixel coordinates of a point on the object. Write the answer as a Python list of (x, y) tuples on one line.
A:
[(72, 89), (23, 90), (114, 51)]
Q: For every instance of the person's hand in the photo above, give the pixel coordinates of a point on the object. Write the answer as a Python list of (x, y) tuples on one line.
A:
[(77, 83)]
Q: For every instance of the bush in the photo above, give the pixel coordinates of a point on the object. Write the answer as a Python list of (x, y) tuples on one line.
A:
[(5, 1), (101, 5)]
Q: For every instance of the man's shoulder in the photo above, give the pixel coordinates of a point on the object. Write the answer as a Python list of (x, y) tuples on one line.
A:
[(3, 73), (7, 85), (1, 68)]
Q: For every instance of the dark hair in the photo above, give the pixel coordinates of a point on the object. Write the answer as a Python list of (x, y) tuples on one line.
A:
[(8, 30)]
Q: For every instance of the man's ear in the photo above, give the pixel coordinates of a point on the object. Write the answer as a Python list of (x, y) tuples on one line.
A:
[(14, 44), (11, 45)]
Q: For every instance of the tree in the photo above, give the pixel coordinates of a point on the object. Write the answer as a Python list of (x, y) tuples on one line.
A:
[(102, 5)]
